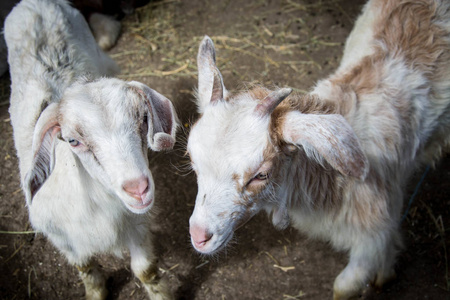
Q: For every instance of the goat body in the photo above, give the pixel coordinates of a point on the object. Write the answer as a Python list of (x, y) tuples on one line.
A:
[(82, 141), (334, 162)]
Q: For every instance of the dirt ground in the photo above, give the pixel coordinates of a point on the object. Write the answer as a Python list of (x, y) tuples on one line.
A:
[(274, 42)]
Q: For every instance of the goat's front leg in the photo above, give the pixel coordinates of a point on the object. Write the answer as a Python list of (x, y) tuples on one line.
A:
[(143, 264), (94, 281), (371, 262)]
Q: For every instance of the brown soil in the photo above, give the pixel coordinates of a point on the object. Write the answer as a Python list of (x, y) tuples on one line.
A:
[(274, 42)]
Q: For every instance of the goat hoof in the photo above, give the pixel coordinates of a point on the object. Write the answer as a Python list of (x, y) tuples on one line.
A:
[(385, 279), (346, 295)]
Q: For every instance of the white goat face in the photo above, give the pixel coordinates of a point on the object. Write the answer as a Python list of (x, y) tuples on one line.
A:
[(226, 150), (229, 152), (108, 124), (238, 150)]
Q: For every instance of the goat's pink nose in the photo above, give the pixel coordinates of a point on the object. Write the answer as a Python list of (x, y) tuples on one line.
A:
[(136, 188), (200, 236)]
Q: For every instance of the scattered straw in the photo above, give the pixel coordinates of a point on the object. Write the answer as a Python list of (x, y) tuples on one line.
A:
[(343, 12), (159, 3), (159, 34), (170, 269), (132, 292), (265, 58), (284, 269), (18, 232), (125, 53), (15, 252), (202, 264), (175, 71), (17, 191), (271, 257), (441, 232), (300, 295), (29, 280)]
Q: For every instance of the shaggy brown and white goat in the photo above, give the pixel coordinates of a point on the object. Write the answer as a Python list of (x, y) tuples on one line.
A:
[(334, 162)]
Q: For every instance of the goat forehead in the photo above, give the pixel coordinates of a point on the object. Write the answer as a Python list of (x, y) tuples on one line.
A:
[(95, 119), (228, 139), (98, 107)]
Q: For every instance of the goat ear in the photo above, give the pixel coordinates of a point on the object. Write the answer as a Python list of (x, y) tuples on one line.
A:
[(43, 149), (329, 135), (162, 119), (210, 81)]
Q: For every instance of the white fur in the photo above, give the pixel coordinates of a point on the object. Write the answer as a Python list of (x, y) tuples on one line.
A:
[(338, 175), (76, 194), (358, 43)]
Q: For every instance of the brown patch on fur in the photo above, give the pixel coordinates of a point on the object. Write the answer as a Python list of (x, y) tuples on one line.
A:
[(405, 30), (322, 185), (235, 177), (408, 30), (305, 104), (253, 188), (259, 92), (269, 154), (364, 78)]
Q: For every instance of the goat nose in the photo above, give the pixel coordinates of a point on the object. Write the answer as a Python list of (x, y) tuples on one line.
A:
[(136, 188), (200, 236)]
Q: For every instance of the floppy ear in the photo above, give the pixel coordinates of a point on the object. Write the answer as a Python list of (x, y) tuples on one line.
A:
[(162, 119), (330, 136), (43, 149), (210, 81)]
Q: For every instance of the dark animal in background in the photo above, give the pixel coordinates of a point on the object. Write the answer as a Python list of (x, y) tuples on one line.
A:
[(115, 8), (102, 16)]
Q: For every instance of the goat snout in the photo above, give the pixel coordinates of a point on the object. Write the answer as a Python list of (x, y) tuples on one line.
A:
[(137, 188), (200, 236)]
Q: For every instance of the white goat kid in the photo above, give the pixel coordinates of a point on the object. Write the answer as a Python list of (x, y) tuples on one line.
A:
[(333, 162), (82, 142)]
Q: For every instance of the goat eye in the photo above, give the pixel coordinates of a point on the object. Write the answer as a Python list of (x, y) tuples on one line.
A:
[(262, 176), (73, 142)]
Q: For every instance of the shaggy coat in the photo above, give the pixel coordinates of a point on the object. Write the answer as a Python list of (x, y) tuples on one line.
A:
[(334, 162), (82, 142)]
